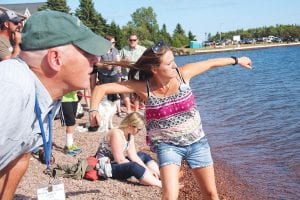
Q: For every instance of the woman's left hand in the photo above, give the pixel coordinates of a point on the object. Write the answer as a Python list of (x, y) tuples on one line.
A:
[(245, 62), (94, 118)]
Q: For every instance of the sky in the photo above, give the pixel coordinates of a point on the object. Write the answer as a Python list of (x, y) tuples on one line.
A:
[(199, 16)]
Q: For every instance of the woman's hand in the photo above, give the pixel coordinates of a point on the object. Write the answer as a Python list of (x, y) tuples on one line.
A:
[(17, 37), (245, 62), (94, 118)]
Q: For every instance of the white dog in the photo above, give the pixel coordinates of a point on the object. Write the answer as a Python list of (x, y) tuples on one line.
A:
[(107, 109)]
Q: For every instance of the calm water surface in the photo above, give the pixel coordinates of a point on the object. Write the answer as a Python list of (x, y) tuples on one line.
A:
[(252, 117)]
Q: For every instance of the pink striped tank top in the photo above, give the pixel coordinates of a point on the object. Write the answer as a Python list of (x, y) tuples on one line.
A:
[(174, 119)]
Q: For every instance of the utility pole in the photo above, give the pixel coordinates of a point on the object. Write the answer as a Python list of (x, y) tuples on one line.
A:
[(220, 31)]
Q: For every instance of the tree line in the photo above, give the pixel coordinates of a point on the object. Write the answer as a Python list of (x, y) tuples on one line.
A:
[(285, 32), (144, 23)]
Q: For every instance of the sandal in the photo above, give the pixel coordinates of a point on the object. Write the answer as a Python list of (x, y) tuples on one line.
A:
[(121, 114)]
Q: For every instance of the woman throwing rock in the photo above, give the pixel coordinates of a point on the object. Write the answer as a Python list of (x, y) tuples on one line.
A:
[(173, 123)]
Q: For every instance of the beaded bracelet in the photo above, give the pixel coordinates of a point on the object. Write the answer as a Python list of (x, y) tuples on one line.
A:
[(93, 111)]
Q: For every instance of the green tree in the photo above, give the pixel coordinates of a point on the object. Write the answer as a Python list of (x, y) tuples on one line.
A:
[(179, 30), (144, 21), (191, 36), (179, 38), (209, 37), (115, 30), (58, 5), (283, 31), (164, 35), (90, 17)]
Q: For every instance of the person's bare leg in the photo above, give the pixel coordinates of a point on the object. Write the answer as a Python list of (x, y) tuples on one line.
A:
[(11, 175), (127, 103), (152, 165), (206, 179), (170, 181), (149, 179), (118, 104), (136, 104)]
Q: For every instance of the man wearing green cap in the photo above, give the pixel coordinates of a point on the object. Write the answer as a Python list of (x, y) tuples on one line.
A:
[(57, 55)]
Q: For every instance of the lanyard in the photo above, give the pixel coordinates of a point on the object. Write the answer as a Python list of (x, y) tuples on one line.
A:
[(46, 145)]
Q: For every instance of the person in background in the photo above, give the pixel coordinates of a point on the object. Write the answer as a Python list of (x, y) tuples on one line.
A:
[(132, 52), (108, 73), (84, 97), (118, 143), (173, 123), (10, 36), (69, 105), (57, 56)]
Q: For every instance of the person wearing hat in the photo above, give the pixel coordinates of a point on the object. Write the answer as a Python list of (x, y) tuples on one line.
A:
[(57, 56), (10, 36)]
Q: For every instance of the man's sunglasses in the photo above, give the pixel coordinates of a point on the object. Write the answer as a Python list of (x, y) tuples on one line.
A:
[(157, 47), (15, 23), (132, 40)]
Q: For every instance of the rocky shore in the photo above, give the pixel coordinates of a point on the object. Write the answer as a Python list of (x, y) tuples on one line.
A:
[(230, 185)]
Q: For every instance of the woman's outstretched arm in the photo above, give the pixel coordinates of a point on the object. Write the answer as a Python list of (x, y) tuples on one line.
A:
[(190, 70)]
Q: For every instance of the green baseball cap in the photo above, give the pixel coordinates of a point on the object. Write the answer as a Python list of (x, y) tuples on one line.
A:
[(48, 28)]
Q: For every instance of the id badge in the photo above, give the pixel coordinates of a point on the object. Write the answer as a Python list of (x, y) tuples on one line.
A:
[(54, 191)]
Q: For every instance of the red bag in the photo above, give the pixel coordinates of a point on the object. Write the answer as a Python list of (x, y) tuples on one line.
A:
[(91, 172)]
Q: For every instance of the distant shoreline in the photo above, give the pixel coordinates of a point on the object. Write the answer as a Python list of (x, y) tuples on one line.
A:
[(188, 51)]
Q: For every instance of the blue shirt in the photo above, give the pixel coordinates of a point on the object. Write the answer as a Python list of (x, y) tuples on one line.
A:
[(111, 55), (20, 131)]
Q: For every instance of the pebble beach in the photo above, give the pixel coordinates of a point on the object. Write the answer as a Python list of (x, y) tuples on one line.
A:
[(229, 184)]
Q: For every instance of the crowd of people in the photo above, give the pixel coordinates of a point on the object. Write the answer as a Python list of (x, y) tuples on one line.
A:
[(43, 67)]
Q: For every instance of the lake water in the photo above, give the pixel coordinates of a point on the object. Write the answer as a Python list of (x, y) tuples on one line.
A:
[(252, 117)]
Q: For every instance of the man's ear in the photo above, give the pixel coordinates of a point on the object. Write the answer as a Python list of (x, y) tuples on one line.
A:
[(54, 59), (6, 24)]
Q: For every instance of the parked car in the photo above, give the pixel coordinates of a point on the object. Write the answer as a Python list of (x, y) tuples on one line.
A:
[(288, 39), (277, 40), (248, 41), (208, 43), (259, 40)]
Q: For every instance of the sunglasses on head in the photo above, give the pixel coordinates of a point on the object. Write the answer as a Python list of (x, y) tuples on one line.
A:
[(132, 40), (157, 47)]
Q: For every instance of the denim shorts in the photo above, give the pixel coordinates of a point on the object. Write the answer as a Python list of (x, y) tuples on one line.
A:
[(196, 154)]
